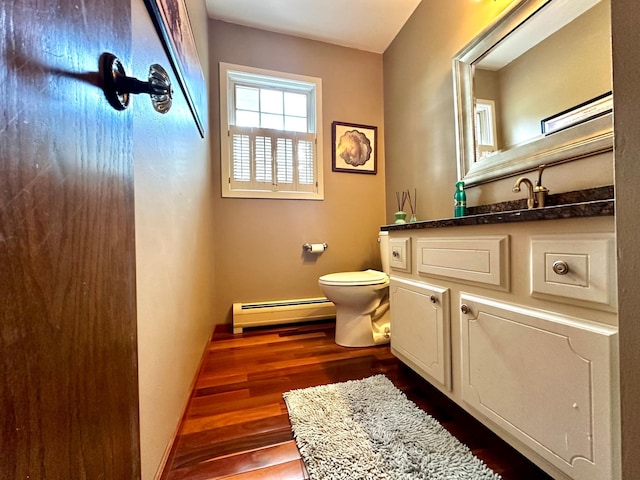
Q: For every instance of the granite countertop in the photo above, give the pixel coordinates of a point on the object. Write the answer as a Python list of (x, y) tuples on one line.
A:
[(593, 202)]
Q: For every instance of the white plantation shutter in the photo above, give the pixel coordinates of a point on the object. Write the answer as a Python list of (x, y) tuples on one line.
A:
[(272, 160), (263, 159), (306, 165), (241, 157), (284, 161)]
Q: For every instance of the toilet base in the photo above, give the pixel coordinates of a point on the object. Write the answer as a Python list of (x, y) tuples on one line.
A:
[(357, 330)]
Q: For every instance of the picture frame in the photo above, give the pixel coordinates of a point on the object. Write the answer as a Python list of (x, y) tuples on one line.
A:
[(171, 20), (594, 108), (354, 148)]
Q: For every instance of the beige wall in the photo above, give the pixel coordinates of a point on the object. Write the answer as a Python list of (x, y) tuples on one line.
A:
[(418, 101), (626, 71), (174, 245), (258, 243), (419, 113)]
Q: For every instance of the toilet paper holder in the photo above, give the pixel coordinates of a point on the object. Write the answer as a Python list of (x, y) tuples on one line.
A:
[(315, 247)]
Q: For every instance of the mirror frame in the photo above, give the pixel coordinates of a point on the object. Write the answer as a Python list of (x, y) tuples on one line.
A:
[(582, 140)]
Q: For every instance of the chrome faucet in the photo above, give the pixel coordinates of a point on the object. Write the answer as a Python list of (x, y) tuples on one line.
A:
[(538, 194)]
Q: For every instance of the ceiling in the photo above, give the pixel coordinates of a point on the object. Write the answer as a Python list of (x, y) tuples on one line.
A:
[(369, 25)]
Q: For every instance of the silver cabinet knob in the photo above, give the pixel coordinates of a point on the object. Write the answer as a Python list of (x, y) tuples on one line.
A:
[(433, 299), (464, 308), (560, 267)]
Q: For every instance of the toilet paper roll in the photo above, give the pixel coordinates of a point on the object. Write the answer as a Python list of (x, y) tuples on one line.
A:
[(317, 247)]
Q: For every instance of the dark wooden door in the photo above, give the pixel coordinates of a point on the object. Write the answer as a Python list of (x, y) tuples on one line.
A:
[(68, 374)]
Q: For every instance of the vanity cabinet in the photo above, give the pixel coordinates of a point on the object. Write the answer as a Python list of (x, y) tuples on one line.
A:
[(483, 314)]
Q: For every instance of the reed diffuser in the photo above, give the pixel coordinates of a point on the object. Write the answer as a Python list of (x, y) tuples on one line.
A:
[(413, 204), (401, 199)]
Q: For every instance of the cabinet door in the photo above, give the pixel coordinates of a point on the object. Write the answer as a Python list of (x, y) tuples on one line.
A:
[(420, 328), (547, 379)]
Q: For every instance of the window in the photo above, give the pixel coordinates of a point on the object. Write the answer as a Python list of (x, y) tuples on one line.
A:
[(486, 141), (270, 130)]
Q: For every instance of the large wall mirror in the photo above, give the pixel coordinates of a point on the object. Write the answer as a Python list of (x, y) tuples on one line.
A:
[(534, 88)]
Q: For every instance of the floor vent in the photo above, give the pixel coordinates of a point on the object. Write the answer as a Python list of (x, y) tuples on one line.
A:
[(278, 312)]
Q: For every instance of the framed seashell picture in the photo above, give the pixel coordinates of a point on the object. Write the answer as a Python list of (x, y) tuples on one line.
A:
[(354, 148)]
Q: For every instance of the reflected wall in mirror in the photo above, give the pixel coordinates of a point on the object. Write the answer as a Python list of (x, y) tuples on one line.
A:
[(540, 58)]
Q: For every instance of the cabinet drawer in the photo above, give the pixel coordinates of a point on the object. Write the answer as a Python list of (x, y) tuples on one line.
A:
[(575, 268), (478, 260), (400, 254), (420, 328), (545, 378)]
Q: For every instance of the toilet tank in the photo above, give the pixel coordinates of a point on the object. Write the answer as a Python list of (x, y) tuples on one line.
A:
[(383, 240)]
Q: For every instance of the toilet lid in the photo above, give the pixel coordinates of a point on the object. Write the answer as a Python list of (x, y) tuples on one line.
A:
[(368, 277)]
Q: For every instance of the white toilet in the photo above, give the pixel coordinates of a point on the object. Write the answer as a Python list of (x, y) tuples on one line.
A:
[(362, 302)]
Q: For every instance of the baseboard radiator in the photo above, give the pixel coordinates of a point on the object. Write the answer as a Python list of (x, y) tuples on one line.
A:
[(261, 314)]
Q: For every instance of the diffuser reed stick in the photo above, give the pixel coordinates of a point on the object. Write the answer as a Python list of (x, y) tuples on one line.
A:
[(413, 204), (401, 199)]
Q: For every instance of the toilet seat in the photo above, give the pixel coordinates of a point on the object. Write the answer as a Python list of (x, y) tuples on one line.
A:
[(367, 277)]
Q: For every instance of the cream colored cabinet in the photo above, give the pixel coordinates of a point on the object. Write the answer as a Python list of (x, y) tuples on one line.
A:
[(544, 378), (520, 330), (420, 326)]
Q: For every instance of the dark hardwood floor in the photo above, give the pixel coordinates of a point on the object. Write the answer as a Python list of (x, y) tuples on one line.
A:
[(237, 427)]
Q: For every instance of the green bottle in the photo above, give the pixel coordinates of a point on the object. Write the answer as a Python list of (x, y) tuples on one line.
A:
[(460, 197)]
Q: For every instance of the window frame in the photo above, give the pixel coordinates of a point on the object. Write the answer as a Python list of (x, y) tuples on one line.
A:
[(232, 75), (486, 131)]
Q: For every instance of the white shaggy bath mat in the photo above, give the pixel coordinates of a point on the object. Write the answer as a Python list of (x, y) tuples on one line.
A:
[(368, 429)]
